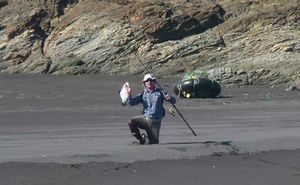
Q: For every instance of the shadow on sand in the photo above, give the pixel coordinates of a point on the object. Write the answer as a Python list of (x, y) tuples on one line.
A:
[(225, 143)]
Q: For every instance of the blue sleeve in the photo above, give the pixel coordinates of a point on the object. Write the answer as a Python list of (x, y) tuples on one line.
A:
[(136, 100)]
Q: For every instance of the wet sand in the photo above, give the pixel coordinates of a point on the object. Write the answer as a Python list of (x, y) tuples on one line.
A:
[(73, 130)]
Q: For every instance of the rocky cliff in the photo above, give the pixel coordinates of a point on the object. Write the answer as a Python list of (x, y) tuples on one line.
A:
[(237, 42)]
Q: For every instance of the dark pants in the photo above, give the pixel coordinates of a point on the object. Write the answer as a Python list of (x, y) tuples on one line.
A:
[(152, 128)]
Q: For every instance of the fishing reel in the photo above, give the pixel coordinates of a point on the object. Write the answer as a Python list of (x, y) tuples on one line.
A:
[(172, 111)]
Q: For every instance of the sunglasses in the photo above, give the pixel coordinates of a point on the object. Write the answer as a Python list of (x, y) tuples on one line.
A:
[(149, 80)]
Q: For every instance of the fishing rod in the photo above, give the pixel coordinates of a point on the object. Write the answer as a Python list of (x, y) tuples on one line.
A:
[(164, 92)]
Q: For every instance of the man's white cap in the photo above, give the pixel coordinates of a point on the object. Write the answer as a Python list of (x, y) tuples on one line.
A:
[(148, 76)]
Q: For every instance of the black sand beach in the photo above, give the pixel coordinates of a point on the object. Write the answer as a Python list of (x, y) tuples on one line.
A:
[(73, 130)]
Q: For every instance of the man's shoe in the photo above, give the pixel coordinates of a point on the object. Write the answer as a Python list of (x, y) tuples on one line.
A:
[(143, 139)]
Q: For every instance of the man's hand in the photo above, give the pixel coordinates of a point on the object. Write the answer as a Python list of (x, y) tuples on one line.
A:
[(128, 89), (167, 97)]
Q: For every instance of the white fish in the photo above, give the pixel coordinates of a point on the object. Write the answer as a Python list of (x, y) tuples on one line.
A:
[(124, 94)]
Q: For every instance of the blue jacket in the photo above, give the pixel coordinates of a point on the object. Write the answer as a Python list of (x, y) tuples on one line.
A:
[(152, 103)]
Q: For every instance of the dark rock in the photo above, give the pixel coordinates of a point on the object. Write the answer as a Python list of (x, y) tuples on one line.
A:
[(237, 42)]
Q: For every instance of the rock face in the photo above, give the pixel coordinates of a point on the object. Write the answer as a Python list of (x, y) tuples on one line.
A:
[(237, 42)]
